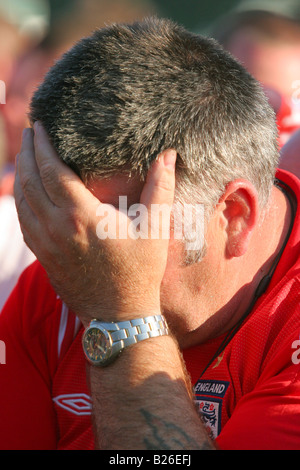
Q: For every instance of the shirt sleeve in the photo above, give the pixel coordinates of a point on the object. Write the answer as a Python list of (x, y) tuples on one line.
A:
[(27, 418)]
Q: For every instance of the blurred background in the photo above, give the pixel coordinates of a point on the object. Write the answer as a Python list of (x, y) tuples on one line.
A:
[(264, 35)]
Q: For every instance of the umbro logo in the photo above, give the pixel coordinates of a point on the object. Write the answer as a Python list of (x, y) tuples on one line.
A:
[(77, 403)]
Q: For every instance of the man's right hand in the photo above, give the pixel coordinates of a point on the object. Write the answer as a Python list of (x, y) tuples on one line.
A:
[(108, 279)]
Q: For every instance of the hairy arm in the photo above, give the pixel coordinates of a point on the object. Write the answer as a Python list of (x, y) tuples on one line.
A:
[(144, 401)]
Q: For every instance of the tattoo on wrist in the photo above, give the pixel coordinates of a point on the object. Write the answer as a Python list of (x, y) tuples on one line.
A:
[(166, 435)]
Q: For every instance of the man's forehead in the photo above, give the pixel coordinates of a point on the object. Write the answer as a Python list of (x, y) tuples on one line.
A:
[(108, 190)]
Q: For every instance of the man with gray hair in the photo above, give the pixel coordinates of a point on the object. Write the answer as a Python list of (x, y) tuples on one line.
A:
[(158, 115)]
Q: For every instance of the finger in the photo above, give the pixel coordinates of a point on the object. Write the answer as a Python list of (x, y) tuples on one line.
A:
[(160, 182), (60, 182), (158, 195), (29, 177)]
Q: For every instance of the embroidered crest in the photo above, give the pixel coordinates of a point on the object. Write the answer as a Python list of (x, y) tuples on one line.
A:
[(209, 396)]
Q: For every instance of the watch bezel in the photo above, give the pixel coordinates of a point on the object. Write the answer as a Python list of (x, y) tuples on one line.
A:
[(107, 356)]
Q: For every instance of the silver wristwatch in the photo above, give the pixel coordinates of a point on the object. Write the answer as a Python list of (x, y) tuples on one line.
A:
[(102, 342)]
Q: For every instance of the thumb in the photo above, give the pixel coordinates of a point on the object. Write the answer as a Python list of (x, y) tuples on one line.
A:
[(158, 194), (160, 182)]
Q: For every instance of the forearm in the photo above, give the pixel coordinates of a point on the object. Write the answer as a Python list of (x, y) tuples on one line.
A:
[(144, 401)]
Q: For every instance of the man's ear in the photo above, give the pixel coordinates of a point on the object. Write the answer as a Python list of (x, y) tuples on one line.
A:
[(238, 212)]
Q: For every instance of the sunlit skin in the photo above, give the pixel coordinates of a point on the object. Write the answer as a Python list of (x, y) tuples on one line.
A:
[(197, 300)]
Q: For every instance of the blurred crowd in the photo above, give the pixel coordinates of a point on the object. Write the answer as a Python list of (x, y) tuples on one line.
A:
[(33, 35), (264, 35)]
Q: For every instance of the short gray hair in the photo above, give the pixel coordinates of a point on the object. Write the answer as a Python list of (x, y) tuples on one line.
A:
[(127, 92)]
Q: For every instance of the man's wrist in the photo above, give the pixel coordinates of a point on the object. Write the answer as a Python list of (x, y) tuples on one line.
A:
[(112, 313), (104, 341)]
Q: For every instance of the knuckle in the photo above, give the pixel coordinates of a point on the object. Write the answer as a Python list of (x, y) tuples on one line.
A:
[(28, 184), (47, 173), (72, 218), (64, 226), (164, 184), (53, 231)]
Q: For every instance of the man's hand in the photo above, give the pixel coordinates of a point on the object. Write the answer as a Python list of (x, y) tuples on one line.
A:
[(112, 279)]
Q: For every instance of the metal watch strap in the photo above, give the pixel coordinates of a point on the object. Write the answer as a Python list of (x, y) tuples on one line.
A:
[(126, 333)]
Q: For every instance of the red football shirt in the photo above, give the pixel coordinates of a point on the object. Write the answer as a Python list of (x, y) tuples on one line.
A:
[(249, 397)]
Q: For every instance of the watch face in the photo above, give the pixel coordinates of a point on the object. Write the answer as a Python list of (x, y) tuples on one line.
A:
[(97, 345)]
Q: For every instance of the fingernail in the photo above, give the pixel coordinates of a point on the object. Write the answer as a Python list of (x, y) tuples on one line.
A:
[(36, 125), (170, 159)]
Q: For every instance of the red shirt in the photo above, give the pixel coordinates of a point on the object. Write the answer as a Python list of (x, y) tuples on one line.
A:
[(249, 397), (250, 394)]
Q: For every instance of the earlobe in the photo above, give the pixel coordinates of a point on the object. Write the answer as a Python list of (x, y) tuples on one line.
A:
[(240, 210)]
